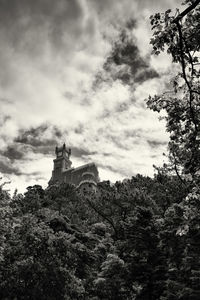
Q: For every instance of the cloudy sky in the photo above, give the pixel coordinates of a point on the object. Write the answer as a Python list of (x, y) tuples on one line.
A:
[(78, 71)]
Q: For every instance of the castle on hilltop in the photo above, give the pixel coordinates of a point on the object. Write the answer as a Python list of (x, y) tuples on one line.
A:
[(84, 177)]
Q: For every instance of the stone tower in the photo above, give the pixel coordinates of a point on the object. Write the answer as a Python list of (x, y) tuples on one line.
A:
[(61, 163)]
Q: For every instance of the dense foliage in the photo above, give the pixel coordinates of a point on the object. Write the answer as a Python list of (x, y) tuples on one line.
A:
[(138, 239), (60, 244)]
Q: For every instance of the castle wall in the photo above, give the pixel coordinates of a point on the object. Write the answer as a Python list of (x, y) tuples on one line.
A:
[(86, 175)]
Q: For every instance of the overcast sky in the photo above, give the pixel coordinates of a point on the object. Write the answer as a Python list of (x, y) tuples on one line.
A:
[(65, 77)]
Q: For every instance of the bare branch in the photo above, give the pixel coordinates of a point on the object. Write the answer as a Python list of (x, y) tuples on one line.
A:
[(91, 204), (176, 169)]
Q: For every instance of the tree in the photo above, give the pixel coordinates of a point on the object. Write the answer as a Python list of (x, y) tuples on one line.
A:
[(5, 220), (60, 196), (50, 259), (180, 35)]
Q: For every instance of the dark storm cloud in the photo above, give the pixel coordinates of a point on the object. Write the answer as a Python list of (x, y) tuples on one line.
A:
[(18, 151), (7, 168), (125, 62), (23, 20), (36, 136), (36, 141), (12, 153), (32, 136), (41, 139)]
